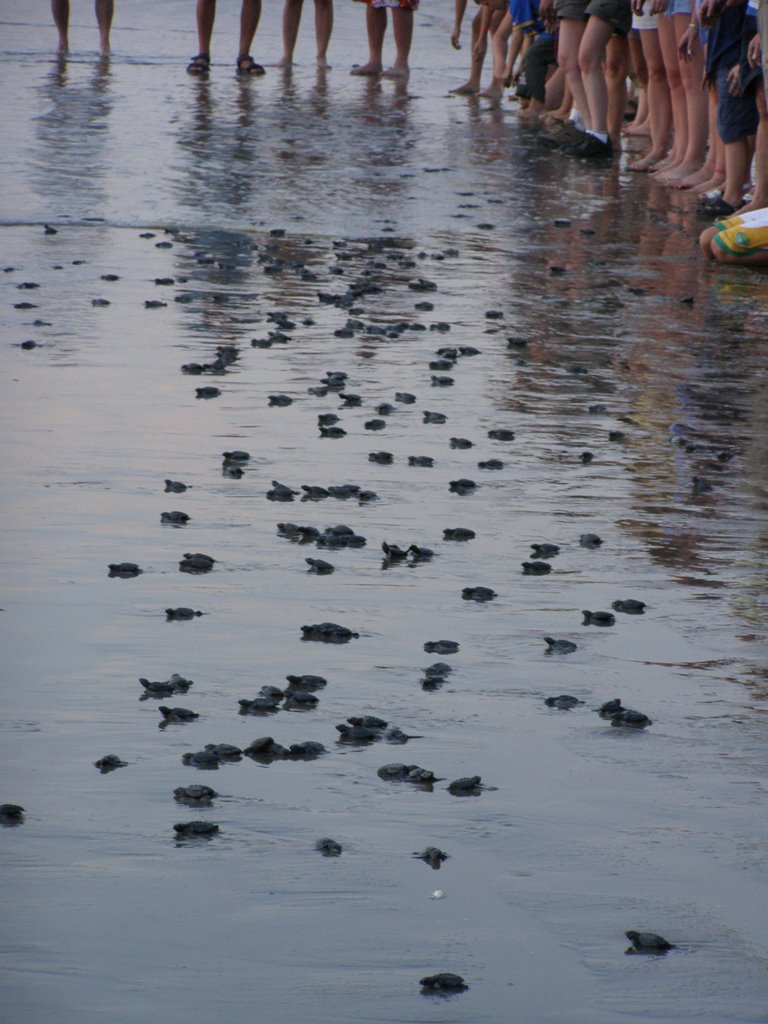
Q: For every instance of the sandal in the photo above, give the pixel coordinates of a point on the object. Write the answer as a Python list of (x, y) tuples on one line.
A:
[(246, 65), (199, 64)]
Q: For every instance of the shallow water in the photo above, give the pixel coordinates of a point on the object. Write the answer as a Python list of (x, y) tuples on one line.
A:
[(588, 831)]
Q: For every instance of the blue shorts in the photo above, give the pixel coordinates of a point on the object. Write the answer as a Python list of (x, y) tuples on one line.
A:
[(737, 116), (679, 7)]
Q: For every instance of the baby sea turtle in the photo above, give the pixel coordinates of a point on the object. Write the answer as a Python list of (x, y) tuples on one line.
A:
[(629, 606), (175, 487), (444, 982), (491, 464), (175, 518), (629, 719), (460, 533), (590, 540), (418, 553), (564, 701), (11, 814), (350, 400), (460, 443), (177, 714), (263, 705), (314, 493), (319, 566), (433, 856), (501, 434), (536, 568), (237, 456), (280, 400), (609, 708), (328, 847), (598, 618), (224, 751), (204, 759), (647, 942), (207, 392), (300, 534), (396, 735), (406, 773), (197, 796), (434, 417), (187, 829), (181, 614), (559, 646), (462, 486), (328, 633), (381, 458), (281, 492), (300, 700), (327, 419), (545, 550), (306, 750), (307, 682), (441, 380), (441, 647), (165, 688), (344, 491), (108, 763), (425, 461), (124, 570), (478, 594), (195, 562), (469, 785), (405, 397), (375, 424), (265, 749)]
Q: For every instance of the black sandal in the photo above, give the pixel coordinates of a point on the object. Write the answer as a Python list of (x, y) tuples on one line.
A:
[(199, 64), (246, 65)]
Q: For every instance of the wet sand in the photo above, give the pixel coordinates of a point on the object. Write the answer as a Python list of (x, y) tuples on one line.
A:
[(586, 831)]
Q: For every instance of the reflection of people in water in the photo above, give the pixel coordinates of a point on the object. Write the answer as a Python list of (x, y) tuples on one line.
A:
[(104, 12), (250, 13), (323, 29)]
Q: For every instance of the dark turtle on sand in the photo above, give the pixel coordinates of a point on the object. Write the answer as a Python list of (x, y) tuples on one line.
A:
[(375, 424), (381, 458), (629, 606), (314, 493), (357, 733), (368, 722), (393, 552), (108, 763), (491, 464), (478, 594), (434, 417), (124, 570), (395, 735), (175, 487), (545, 550), (424, 461), (176, 518), (536, 568), (344, 491), (206, 759), (263, 705), (444, 982), (306, 682), (461, 443), (501, 434), (307, 750), (328, 633), (328, 847), (187, 829), (300, 700), (181, 614), (327, 419), (198, 796), (207, 392), (462, 486), (237, 456), (438, 668), (418, 553), (224, 751), (598, 618), (11, 814), (280, 400), (559, 646), (441, 646), (406, 773), (177, 714), (611, 707), (281, 492), (165, 688), (629, 719), (564, 701), (195, 562), (647, 942), (319, 566), (405, 397), (590, 540), (460, 533), (300, 534), (433, 856), (265, 749), (469, 785)]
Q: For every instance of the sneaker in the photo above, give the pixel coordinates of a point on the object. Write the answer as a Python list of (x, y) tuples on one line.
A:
[(592, 148)]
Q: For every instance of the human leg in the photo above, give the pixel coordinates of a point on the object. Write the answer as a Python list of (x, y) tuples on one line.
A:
[(206, 15), (760, 193), (323, 29), (660, 109), (402, 29), (668, 45), (615, 74), (571, 32), (105, 10), (639, 73), (691, 74), (291, 21), (472, 84), (60, 11), (376, 27), (593, 43), (250, 12)]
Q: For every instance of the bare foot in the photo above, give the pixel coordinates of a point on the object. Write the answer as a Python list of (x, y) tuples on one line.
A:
[(494, 90), (469, 88), (681, 172), (703, 174), (285, 62), (637, 129), (716, 181), (322, 62), (396, 72), (372, 68), (646, 163)]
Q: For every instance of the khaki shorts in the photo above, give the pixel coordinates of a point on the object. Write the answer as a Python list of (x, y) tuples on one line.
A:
[(616, 12)]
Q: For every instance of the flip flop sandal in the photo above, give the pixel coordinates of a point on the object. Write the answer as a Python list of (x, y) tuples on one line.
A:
[(199, 64), (246, 65)]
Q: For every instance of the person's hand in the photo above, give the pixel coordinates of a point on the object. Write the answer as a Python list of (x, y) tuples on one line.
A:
[(547, 11), (754, 51), (710, 11), (684, 51), (455, 36), (637, 6), (658, 6), (734, 81)]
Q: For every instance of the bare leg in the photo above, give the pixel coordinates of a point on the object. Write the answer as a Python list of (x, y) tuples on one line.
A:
[(658, 102), (472, 84), (291, 21), (402, 27), (60, 10), (250, 13), (376, 25), (571, 32), (593, 43), (323, 29), (640, 123), (737, 158), (616, 67), (668, 43), (206, 15), (105, 10), (760, 196), (691, 72), (715, 165)]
